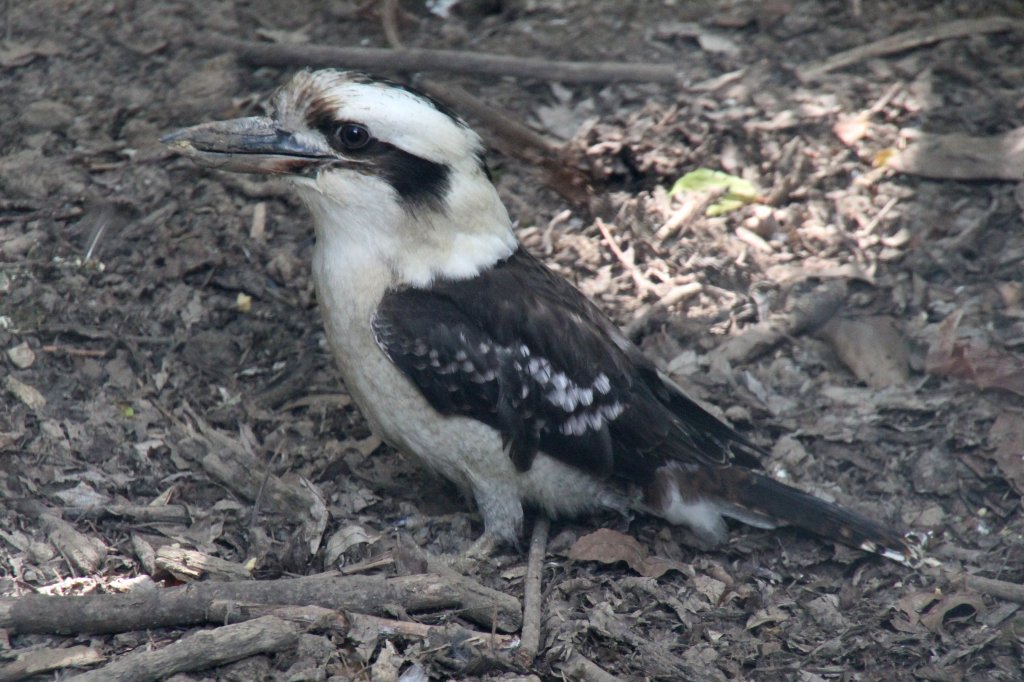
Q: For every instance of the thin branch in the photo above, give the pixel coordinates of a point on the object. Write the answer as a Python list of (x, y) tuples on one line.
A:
[(532, 608), (958, 28), (389, 22), (642, 285)]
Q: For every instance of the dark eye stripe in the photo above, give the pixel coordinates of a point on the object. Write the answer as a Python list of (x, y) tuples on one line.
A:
[(419, 182)]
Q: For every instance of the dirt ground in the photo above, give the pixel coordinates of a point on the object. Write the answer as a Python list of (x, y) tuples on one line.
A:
[(166, 384)]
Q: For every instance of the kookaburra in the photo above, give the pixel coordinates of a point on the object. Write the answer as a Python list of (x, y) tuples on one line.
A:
[(468, 354)]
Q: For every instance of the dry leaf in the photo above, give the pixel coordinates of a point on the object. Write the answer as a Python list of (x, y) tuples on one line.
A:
[(710, 588), (609, 547), (971, 360), (908, 610), (1007, 435), (959, 606), (20, 54), (25, 393), (851, 129), (346, 538), (762, 616), (871, 348)]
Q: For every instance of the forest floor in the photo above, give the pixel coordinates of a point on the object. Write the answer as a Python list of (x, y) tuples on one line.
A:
[(170, 412)]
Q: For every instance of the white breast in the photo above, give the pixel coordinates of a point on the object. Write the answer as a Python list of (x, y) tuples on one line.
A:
[(349, 287)]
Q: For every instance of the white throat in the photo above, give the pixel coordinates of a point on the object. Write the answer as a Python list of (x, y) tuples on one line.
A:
[(360, 224)]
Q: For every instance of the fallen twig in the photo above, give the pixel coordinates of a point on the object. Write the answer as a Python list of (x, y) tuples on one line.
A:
[(389, 22), (188, 605), (134, 513), (200, 650), (642, 285), (532, 609), (917, 37), (813, 309), (451, 61), (83, 552)]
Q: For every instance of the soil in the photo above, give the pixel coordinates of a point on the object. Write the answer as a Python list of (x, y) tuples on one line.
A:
[(157, 319)]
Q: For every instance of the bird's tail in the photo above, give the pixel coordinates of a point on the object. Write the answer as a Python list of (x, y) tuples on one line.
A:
[(756, 499)]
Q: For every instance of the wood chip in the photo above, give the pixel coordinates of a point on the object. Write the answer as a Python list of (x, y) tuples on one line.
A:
[(25, 393)]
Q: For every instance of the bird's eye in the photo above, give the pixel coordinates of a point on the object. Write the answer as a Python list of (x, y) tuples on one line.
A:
[(352, 136)]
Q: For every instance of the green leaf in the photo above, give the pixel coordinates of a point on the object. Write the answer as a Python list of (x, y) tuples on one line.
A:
[(738, 191)]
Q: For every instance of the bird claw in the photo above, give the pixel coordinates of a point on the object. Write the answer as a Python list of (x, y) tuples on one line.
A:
[(482, 550)]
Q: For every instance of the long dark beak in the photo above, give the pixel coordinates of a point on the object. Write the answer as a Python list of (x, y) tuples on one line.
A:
[(248, 145)]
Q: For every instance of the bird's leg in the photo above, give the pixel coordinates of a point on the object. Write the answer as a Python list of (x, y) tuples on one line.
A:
[(502, 514)]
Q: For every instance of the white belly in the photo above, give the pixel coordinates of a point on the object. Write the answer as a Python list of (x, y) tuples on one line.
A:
[(461, 449)]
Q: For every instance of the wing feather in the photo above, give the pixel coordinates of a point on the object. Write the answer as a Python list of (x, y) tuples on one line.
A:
[(520, 349)]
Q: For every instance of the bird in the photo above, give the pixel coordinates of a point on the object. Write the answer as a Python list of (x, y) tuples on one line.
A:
[(468, 354)]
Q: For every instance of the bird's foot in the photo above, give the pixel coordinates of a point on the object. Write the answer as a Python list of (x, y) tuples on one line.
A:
[(480, 552), (483, 548)]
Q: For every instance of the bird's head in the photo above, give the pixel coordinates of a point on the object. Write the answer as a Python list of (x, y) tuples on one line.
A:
[(382, 168)]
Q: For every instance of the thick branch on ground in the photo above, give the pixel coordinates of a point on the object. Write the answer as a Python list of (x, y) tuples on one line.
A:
[(450, 61), (319, 619), (507, 135), (189, 605), (200, 650), (1000, 589)]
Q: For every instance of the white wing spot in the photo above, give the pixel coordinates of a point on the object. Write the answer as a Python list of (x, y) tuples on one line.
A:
[(540, 370)]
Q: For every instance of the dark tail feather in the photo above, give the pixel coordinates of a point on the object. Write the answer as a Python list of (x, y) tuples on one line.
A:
[(750, 491)]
